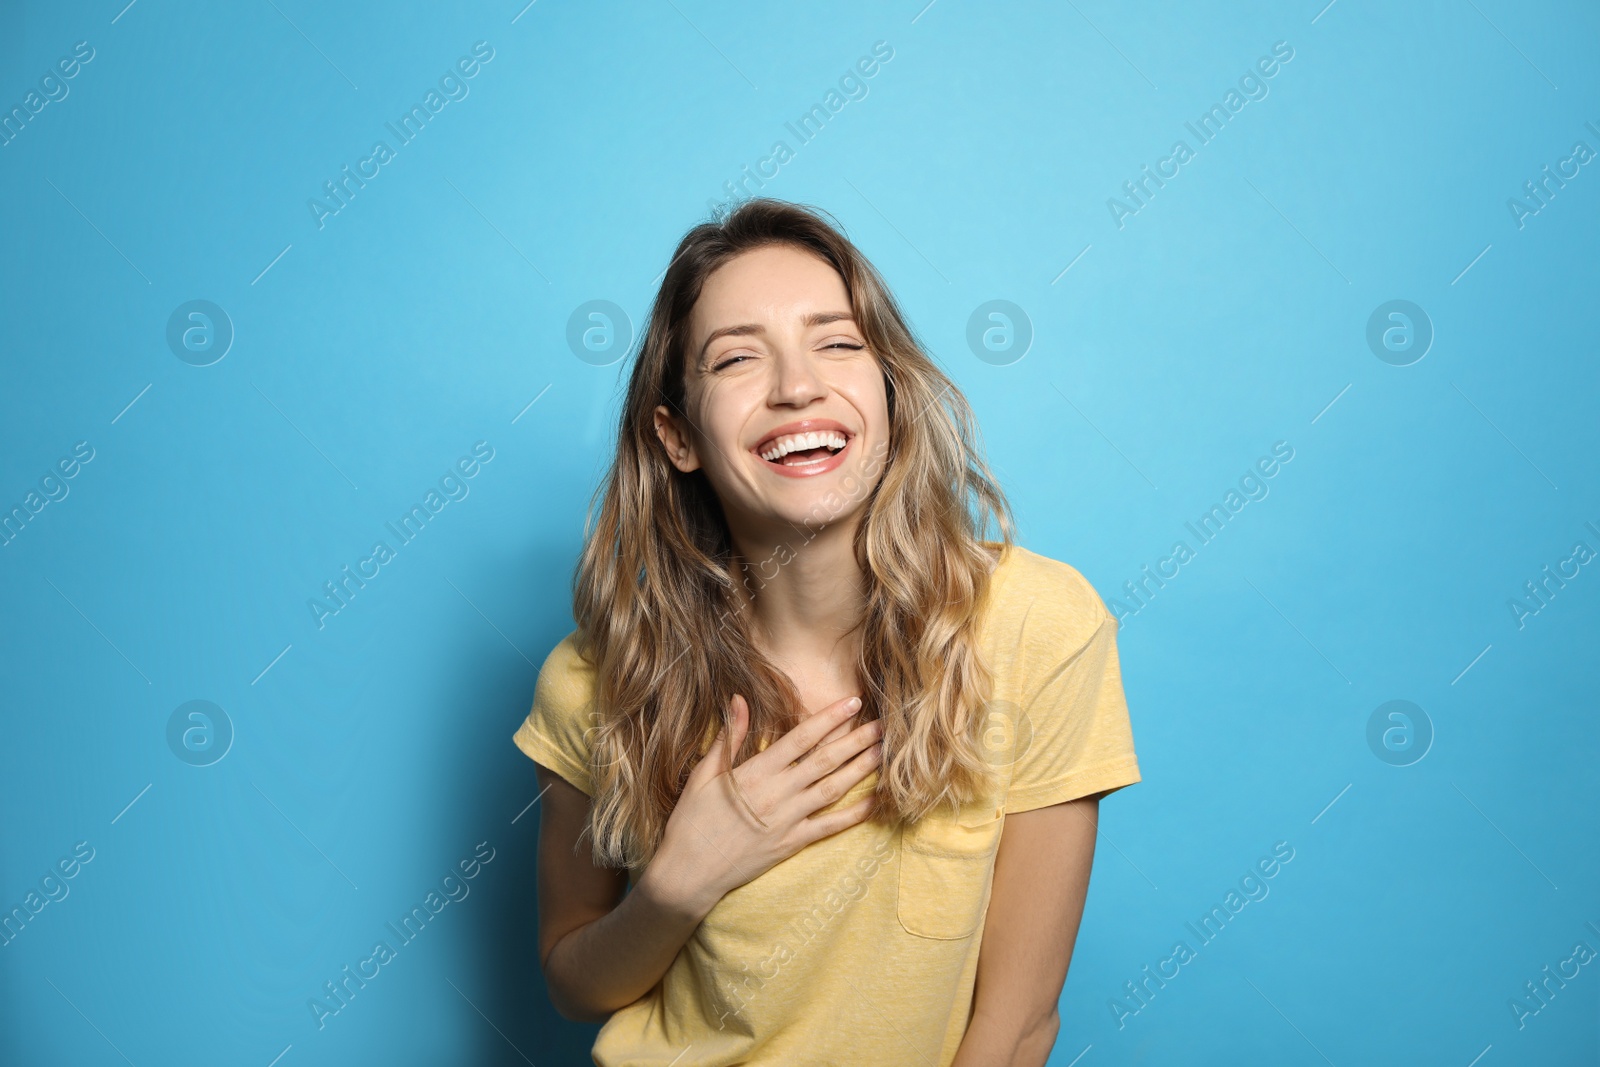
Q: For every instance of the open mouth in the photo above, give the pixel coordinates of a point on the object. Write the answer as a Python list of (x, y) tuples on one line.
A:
[(803, 450)]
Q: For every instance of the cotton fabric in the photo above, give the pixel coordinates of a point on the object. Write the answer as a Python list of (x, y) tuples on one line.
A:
[(863, 947)]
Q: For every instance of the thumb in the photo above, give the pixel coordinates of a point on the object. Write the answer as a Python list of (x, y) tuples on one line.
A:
[(738, 726), (726, 741)]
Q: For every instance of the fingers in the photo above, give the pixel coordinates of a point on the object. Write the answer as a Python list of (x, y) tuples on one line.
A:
[(800, 740), (836, 733), (826, 825), (830, 787), (829, 757), (833, 735)]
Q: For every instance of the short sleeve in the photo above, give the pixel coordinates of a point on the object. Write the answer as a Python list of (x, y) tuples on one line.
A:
[(556, 731), (1079, 740)]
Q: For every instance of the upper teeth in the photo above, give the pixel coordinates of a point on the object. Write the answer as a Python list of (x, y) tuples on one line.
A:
[(798, 442)]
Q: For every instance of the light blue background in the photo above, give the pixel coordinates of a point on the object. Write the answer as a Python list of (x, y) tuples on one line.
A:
[(1224, 316)]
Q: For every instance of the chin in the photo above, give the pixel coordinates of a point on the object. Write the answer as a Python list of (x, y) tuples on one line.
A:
[(822, 506)]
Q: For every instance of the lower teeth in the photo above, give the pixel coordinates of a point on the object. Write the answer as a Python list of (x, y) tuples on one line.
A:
[(812, 455)]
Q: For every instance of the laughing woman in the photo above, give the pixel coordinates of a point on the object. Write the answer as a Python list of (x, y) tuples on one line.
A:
[(822, 764)]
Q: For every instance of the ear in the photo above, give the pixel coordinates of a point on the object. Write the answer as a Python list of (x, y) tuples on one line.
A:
[(678, 444)]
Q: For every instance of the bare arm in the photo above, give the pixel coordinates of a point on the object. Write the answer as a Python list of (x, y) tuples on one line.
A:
[(602, 950), (1041, 877)]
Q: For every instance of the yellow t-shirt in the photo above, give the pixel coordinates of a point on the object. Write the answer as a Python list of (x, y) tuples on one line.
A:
[(862, 947)]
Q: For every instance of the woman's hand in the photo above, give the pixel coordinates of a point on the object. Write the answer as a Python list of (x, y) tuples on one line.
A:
[(712, 844)]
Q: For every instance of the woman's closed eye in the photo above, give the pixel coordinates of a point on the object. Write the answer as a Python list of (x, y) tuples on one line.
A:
[(729, 361)]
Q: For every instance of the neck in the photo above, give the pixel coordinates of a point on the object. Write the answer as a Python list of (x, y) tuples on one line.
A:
[(803, 598)]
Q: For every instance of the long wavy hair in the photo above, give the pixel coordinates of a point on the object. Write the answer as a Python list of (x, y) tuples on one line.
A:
[(654, 598)]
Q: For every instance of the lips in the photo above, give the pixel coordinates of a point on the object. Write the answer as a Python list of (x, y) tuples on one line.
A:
[(803, 426), (812, 468)]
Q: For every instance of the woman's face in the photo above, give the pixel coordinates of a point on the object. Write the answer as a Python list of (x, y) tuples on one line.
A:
[(774, 351)]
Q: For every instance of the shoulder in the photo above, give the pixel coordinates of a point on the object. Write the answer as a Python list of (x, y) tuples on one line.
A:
[(566, 685), (565, 665), (1054, 655), (1044, 604), (557, 729)]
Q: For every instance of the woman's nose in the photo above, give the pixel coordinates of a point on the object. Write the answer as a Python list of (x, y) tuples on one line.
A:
[(796, 379)]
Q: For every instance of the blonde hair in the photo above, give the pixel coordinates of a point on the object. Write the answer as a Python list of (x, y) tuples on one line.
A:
[(654, 598)]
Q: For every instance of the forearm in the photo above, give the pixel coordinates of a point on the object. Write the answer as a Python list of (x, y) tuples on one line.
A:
[(1007, 1042), (616, 959)]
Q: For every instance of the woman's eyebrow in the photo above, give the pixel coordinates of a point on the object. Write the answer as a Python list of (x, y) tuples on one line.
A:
[(816, 318)]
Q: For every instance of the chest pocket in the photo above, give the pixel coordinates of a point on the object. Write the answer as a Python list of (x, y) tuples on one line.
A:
[(946, 868)]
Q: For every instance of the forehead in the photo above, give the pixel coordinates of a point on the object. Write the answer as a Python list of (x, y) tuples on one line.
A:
[(772, 284)]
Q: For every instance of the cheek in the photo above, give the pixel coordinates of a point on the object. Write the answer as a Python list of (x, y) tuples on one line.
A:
[(723, 415), (867, 390)]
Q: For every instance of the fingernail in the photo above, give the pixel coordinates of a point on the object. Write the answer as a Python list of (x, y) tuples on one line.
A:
[(853, 704)]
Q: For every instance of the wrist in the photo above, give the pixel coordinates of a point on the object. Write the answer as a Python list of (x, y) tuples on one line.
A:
[(676, 891)]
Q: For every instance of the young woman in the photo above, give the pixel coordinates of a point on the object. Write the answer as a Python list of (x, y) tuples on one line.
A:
[(837, 757)]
